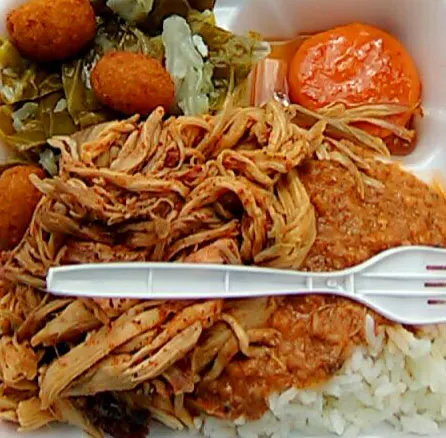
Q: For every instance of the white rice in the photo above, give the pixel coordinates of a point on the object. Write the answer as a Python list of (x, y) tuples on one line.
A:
[(397, 379)]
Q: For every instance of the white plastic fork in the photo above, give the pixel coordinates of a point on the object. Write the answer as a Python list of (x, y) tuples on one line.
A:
[(406, 284)]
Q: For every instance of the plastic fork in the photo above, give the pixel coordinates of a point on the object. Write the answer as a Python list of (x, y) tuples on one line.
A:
[(406, 284)]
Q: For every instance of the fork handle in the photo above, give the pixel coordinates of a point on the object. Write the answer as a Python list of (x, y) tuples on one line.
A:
[(175, 281)]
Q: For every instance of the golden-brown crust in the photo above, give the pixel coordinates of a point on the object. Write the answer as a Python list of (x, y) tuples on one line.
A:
[(52, 30), (18, 200), (132, 83)]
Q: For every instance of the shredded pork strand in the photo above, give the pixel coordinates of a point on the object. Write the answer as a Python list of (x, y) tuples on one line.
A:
[(176, 190)]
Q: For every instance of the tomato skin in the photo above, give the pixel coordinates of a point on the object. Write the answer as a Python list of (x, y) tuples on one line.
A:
[(354, 64)]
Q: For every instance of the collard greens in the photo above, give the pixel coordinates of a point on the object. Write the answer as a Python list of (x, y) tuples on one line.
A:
[(30, 131), (232, 56), (39, 101), (29, 94), (131, 10), (23, 80)]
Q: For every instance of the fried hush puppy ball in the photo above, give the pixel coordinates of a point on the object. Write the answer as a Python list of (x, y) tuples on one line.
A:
[(132, 83), (18, 200), (52, 30)]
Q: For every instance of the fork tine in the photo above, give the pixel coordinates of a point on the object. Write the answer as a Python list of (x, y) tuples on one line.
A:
[(408, 310)]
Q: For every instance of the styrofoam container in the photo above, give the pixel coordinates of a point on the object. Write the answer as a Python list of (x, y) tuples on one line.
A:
[(419, 24)]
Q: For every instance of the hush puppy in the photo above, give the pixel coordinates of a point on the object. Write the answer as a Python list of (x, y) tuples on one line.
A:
[(52, 30), (132, 83), (18, 200)]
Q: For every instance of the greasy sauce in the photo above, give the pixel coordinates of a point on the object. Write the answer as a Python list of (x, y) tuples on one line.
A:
[(317, 334), (350, 230)]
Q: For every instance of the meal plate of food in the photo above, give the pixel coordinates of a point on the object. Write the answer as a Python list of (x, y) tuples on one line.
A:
[(297, 134)]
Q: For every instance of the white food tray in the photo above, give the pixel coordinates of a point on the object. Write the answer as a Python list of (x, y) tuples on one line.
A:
[(419, 24)]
